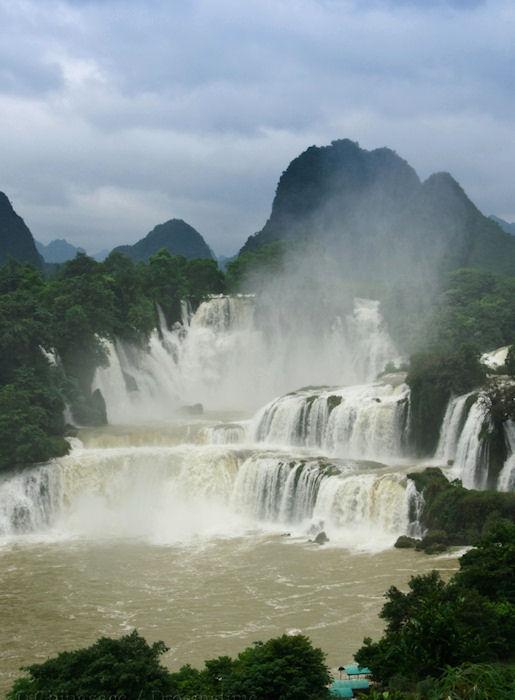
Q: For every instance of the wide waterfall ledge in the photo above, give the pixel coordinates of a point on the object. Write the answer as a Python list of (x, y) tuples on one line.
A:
[(185, 493)]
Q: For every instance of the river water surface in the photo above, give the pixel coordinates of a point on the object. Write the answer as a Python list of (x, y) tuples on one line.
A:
[(141, 528)]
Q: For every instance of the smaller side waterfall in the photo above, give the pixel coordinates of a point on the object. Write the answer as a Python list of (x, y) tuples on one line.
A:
[(471, 460), (415, 506), (29, 500), (452, 426), (360, 422), (507, 476), (224, 434)]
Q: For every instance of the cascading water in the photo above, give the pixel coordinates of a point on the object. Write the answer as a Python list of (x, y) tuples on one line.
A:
[(225, 355), (507, 476), (452, 427), (229, 477), (28, 500), (461, 442), (360, 422), (171, 494)]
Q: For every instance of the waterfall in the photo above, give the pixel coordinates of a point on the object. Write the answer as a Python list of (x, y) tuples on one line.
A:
[(172, 479), (224, 434), (226, 355), (471, 460), (29, 499), (506, 480), (171, 494), (372, 345), (360, 422), (415, 506), (496, 358), (452, 426)]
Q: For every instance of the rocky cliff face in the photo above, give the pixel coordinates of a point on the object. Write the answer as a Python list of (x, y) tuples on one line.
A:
[(16, 240)]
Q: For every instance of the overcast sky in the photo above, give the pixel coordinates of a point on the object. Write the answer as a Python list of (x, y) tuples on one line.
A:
[(116, 115)]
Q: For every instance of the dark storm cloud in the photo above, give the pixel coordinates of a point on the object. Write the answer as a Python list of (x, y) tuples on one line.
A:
[(117, 115)]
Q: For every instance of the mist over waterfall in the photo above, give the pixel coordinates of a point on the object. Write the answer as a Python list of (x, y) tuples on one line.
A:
[(226, 355)]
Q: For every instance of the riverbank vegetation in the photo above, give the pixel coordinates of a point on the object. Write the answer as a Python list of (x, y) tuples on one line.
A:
[(442, 637), (52, 331), (284, 668), (452, 515)]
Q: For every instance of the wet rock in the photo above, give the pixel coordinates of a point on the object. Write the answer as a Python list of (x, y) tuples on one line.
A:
[(405, 542), (90, 410), (434, 542), (70, 430), (98, 405), (436, 548), (333, 402), (130, 382), (321, 538), (195, 409)]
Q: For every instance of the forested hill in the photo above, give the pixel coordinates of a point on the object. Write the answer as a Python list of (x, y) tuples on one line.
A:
[(175, 236), (58, 251), (16, 240), (365, 203)]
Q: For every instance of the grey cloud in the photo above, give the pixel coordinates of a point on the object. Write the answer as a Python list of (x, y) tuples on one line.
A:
[(116, 114)]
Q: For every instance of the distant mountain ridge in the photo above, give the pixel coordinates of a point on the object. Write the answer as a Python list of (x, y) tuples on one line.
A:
[(58, 250), (16, 240), (372, 208), (175, 235)]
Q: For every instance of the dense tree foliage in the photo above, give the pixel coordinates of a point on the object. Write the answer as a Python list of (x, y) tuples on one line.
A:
[(475, 308), (285, 668), (253, 266), (470, 619), (453, 515), (433, 377), (51, 332), (124, 668)]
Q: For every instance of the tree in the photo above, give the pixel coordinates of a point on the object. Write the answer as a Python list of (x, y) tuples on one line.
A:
[(128, 667), (475, 682), (437, 625), (489, 568), (284, 668), (245, 270)]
